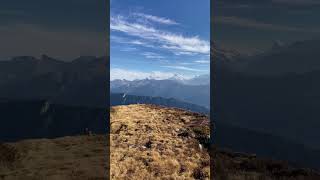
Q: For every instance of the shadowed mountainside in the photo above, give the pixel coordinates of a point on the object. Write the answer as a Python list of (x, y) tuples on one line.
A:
[(241, 166), (146, 141), (79, 82), (21, 119)]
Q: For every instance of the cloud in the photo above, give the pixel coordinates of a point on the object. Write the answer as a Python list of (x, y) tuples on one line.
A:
[(173, 42), (129, 49), (202, 61), (122, 40), (243, 22), (185, 68), (118, 73), (151, 55), (156, 19)]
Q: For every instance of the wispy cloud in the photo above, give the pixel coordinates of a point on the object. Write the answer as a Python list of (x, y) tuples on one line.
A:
[(232, 20), (202, 61), (118, 73), (185, 68), (151, 55), (156, 19), (176, 43), (128, 49)]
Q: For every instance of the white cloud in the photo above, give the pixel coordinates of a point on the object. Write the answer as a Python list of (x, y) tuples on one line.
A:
[(129, 49), (137, 42), (185, 68), (151, 55), (157, 19), (202, 61), (176, 43), (118, 73)]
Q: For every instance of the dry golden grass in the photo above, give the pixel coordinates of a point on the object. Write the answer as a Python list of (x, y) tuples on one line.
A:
[(67, 158), (151, 142)]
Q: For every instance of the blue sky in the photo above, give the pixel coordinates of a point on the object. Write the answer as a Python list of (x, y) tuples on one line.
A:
[(159, 38)]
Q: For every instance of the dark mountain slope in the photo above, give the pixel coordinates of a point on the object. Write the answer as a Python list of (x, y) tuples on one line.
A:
[(285, 105), (40, 119), (265, 145)]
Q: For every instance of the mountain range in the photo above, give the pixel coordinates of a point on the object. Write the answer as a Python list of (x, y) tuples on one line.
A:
[(83, 82), (294, 58), (42, 119), (78, 82), (195, 90), (267, 97), (274, 92)]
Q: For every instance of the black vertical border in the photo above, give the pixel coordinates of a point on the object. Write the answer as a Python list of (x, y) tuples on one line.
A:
[(107, 124), (212, 94)]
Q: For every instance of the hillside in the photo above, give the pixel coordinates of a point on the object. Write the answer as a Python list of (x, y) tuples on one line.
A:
[(153, 142), (265, 145), (146, 141), (67, 158), (22, 119), (240, 166), (285, 105)]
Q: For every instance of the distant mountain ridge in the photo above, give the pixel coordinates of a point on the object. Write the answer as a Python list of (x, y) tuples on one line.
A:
[(124, 99), (78, 82), (191, 91), (298, 57)]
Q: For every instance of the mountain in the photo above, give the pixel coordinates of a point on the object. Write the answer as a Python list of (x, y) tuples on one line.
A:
[(83, 82), (162, 142), (298, 57), (25, 119), (286, 105), (198, 80), (124, 99), (195, 94), (275, 92), (265, 145), (78, 82), (48, 119), (228, 164)]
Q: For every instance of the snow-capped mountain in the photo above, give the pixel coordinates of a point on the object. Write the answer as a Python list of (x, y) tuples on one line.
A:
[(195, 90)]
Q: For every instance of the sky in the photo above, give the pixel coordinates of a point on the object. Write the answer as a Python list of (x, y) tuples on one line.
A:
[(252, 26), (61, 29), (159, 39)]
